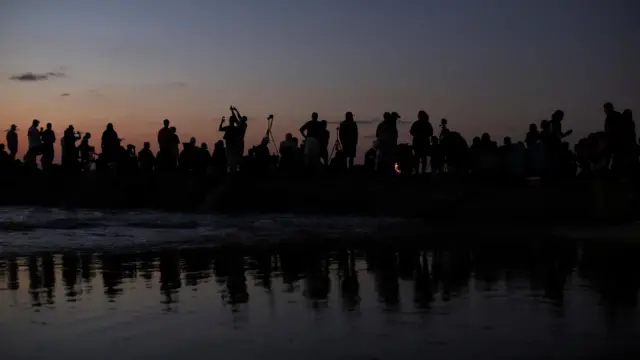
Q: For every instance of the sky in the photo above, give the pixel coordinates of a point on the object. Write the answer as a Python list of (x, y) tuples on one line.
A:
[(486, 65)]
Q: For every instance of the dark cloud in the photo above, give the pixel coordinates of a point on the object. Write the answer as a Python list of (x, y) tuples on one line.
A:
[(29, 76), (65, 94)]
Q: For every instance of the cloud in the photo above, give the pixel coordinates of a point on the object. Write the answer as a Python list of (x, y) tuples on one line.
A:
[(65, 94), (29, 76), (95, 92)]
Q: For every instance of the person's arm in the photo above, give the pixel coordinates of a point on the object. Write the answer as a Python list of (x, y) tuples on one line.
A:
[(221, 128), (566, 133), (237, 113), (303, 129)]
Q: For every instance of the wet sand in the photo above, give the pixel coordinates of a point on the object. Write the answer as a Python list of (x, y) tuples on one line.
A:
[(348, 298)]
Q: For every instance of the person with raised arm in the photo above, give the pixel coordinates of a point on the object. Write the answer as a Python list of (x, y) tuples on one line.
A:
[(312, 133)]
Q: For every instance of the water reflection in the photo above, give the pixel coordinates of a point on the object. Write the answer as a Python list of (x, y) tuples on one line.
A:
[(435, 273)]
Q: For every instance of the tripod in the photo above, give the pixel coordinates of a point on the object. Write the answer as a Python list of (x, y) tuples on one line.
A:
[(269, 134), (337, 145)]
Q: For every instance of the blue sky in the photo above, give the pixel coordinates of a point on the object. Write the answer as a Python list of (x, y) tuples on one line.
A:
[(493, 65)]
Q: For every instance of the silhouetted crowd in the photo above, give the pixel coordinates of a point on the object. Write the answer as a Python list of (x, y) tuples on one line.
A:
[(543, 153)]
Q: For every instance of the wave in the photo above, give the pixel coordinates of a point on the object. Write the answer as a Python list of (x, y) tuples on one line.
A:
[(26, 230)]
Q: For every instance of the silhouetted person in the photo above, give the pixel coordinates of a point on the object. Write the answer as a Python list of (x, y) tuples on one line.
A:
[(233, 141), (110, 144), (146, 158), (174, 149), (69, 150), (325, 135), (165, 141), (242, 129), (12, 141), (387, 136), (437, 156), (219, 159), (86, 152), (443, 128), (348, 134), (35, 143), (312, 133), (48, 140), (203, 159), (533, 136), (370, 157), (421, 131), (288, 149), (5, 159)]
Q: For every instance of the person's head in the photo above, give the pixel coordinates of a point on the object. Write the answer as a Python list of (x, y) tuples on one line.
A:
[(533, 127), (443, 122), (243, 119), (386, 116), (87, 136), (49, 126), (608, 108), (348, 116), (558, 115), (219, 144), (323, 123), (204, 146), (165, 122), (71, 128), (544, 125), (314, 116), (627, 114), (173, 129), (13, 127), (486, 138), (109, 126), (507, 140), (146, 145), (233, 120), (35, 123), (422, 115), (476, 140), (288, 137), (395, 116), (192, 141)]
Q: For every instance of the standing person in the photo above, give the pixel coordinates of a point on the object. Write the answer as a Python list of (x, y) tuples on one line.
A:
[(12, 141), (110, 144), (421, 131), (387, 136), (70, 151), (232, 137), (48, 140), (165, 138), (242, 128), (348, 134), (312, 133), (325, 135), (35, 143)]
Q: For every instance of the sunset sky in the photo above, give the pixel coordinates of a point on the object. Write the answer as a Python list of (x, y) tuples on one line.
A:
[(486, 65)]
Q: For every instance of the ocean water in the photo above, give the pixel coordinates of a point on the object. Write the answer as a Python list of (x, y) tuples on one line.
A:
[(154, 285)]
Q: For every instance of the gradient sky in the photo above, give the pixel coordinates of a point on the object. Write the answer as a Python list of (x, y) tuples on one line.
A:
[(486, 65)]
